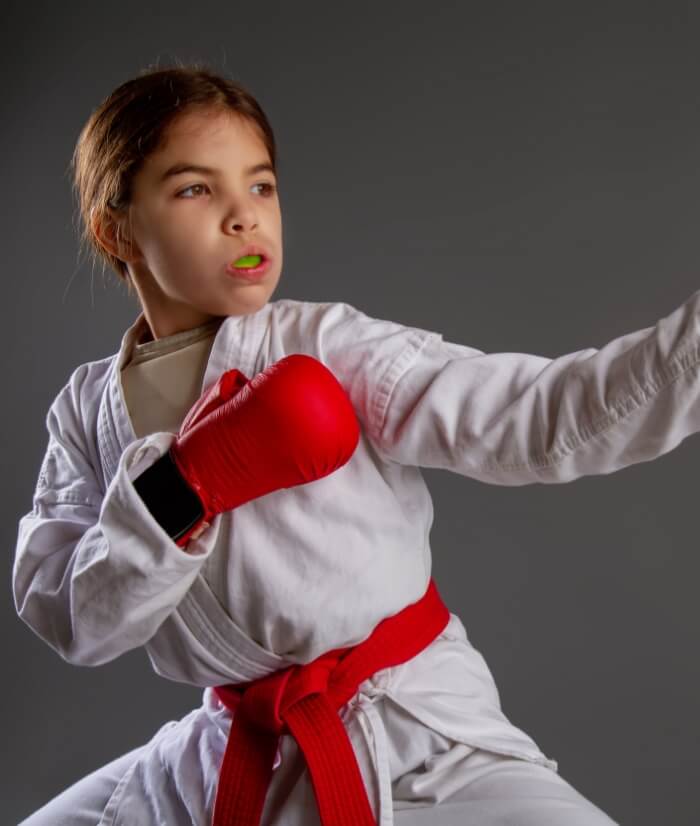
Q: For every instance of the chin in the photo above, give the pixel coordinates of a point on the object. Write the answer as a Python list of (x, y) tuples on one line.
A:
[(252, 305)]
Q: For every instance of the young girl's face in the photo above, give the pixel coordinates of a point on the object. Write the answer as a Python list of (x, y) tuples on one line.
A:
[(188, 227)]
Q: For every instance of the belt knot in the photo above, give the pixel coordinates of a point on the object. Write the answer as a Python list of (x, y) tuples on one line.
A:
[(265, 702)]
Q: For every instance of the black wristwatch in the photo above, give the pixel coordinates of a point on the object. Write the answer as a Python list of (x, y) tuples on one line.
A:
[(171, 501)]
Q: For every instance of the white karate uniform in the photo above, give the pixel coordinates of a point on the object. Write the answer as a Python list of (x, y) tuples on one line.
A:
[(301, 571)]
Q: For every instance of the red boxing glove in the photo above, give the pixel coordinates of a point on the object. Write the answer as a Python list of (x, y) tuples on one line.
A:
[(291, 424)]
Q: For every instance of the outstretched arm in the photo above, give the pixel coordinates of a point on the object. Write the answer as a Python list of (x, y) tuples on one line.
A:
[(516, 418)]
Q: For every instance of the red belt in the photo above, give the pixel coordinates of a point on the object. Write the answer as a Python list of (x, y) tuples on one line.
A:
[(303, 700)]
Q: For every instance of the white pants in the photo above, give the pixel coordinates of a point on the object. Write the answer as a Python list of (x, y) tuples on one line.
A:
[(456, 785)]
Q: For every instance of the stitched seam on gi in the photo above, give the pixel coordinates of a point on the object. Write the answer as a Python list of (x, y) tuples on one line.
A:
[(676, 369), (417, 340), (106, 444), (51, 497), (207, 633)]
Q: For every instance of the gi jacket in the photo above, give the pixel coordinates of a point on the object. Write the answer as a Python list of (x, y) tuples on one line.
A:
[(300, 571)]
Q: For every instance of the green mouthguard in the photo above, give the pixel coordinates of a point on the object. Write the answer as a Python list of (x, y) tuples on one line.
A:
[(248, 261)]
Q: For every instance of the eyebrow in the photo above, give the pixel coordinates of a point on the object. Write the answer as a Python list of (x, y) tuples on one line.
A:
[(179, 168)]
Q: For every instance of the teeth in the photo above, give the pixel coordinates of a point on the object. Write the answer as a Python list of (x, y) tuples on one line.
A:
[(248, 261)]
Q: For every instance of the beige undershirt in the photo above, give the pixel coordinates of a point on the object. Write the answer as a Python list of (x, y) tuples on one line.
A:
[(163, 378)]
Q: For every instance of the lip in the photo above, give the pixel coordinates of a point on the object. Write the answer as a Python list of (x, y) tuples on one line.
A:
[(250, 273), (250, 249)]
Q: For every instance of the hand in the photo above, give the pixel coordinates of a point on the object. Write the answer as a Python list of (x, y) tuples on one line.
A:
[(291, 424)]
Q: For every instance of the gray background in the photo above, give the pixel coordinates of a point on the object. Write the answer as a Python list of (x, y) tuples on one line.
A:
[(519, 177)]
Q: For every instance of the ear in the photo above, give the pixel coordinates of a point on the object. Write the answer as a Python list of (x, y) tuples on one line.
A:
[(109, 229)]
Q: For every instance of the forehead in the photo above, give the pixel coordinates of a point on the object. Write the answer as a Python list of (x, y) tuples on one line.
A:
[(207, 132)]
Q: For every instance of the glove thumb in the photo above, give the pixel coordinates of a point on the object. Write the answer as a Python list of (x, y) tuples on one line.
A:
[(224, 388)]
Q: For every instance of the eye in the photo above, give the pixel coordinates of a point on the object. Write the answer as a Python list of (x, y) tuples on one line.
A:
[(271, 189), (193, 186)]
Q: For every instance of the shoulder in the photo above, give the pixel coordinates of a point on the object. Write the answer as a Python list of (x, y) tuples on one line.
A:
[(339, 323), (296, 308), (292, 308), (366, 354)]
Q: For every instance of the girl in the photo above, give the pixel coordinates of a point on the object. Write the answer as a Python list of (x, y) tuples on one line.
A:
[(337, 688)]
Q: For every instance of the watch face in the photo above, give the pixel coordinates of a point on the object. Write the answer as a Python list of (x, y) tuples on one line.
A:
[(168, 497)]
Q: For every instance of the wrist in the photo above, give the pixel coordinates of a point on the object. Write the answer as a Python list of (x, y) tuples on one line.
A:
[(170, 499)]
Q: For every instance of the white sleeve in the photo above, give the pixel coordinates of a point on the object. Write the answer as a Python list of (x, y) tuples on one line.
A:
[(516, 418), (93, 575)]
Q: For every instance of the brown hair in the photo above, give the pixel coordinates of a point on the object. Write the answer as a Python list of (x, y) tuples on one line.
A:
[(131, 123)]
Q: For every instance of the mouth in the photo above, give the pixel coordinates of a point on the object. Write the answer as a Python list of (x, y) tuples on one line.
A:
[(249, 266), (250, 255), (246, 261)]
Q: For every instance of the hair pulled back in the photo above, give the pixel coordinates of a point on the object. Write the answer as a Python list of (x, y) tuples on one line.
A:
[(131, 123)]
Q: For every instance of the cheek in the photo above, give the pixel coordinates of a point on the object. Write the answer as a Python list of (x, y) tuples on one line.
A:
[(169, 258), (178, 240)]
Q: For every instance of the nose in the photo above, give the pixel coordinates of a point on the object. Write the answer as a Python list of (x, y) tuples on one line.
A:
[(240, 218), (240, 225)]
